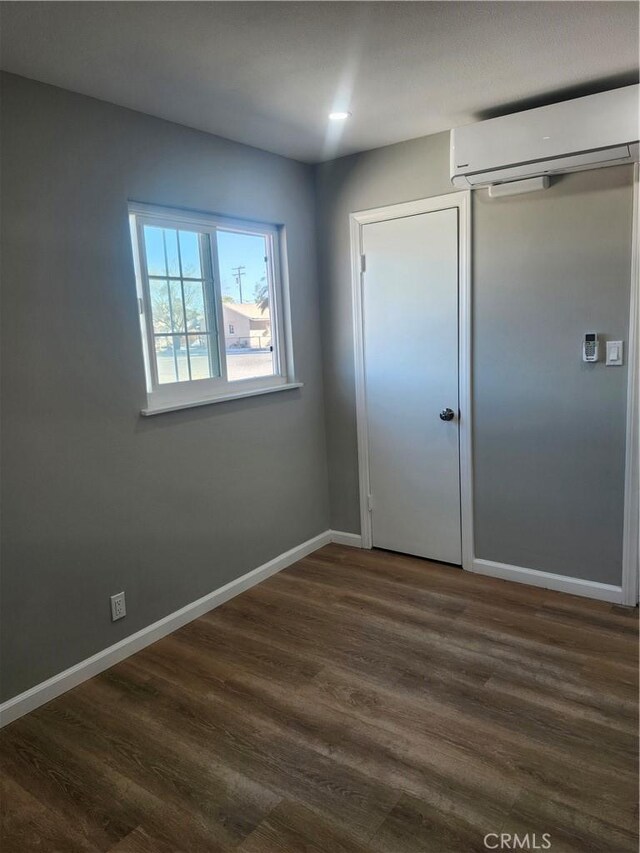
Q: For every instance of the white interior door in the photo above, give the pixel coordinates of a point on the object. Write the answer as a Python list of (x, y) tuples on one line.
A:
[(410, 314)]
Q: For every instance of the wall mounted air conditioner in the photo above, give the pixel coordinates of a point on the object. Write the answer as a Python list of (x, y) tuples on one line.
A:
[(585, 133)]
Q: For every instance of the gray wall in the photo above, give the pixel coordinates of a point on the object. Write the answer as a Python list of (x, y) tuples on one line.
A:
[(549, 430), (96, 498)]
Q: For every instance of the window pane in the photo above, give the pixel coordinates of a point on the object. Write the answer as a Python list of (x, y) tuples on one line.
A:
[(246, 305), (171, 240), (181, 358), (201, 366), (190, 254), (171, 358), (177, 310), (159, 292), (194, 305), (168, 313), (154, 248), (164, 360)]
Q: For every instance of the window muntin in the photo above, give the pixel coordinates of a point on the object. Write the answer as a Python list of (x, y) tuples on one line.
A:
[(197, 275)]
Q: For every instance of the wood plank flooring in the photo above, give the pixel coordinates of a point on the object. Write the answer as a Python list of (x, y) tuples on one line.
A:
[(358, 701)]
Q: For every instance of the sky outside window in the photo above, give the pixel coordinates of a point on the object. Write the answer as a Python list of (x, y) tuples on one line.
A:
[(245, 250)]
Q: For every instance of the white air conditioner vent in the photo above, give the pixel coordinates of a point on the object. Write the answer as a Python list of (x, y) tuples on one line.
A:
[(586, 133)]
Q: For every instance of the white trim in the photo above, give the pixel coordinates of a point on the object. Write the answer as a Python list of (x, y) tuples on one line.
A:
[(362, 426), (167, 217), (461, 201), (464, 381), (354, 540), (631, 544), (44, 692), (548, 580), (280, 259), (219, 398), (63, 681)]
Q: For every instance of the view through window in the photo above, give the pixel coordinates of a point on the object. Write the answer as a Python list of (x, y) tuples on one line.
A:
[(209, 295), (244, 273)]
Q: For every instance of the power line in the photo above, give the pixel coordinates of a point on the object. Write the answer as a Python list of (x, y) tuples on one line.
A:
[(237, 271)]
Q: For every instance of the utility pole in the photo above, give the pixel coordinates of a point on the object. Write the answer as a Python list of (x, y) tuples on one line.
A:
[(237, 271)]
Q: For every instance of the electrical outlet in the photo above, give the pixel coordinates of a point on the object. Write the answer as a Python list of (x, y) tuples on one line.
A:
[(118, 606)]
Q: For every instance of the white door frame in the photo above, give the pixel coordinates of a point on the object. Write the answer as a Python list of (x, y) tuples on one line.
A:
[(462, 202), (631, 535)]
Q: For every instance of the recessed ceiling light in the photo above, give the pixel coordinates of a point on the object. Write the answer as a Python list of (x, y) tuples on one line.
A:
[(339, 116)]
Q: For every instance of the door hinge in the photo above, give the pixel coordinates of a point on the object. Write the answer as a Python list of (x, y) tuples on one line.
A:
[(363, 263), (140, 305), (370, 503)]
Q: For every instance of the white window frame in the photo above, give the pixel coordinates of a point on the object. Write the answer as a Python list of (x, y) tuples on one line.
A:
[(198, 392)]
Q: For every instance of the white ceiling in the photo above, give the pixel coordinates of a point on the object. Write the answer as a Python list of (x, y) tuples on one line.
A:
[(268, 73)]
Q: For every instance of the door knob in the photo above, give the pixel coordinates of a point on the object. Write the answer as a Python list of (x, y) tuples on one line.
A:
[(447, 415)]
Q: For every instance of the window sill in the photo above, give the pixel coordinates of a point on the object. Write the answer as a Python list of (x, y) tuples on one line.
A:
[(221, 398)]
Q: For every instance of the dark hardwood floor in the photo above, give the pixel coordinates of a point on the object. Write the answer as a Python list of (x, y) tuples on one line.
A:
[(358, 701)]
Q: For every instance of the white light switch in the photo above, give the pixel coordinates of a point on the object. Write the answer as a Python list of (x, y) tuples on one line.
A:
[(614, 353)]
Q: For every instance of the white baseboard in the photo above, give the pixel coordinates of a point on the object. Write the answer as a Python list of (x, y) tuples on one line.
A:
[(31, 699), (342, 538), (58, 684), (547, 580)]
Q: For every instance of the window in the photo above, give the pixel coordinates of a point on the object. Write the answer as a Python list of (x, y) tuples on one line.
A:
[(198, 274)]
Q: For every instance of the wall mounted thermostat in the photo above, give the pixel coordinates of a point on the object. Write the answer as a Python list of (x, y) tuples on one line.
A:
[(590, 347)]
